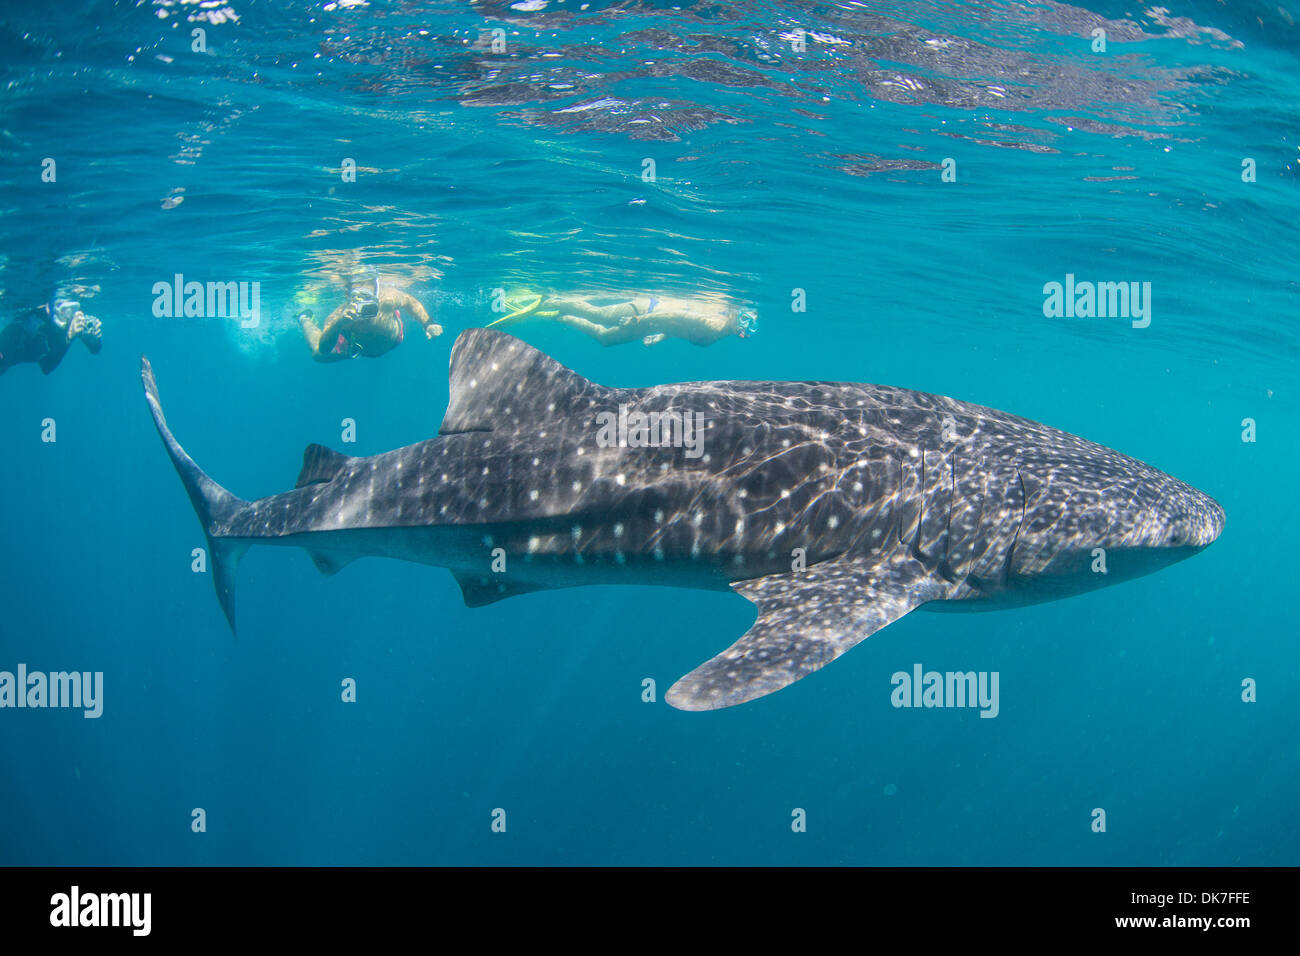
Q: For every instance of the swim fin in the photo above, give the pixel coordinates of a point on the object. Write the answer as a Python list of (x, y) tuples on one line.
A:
[(518, 312)]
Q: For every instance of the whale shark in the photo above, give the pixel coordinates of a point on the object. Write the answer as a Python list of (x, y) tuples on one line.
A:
[(835, 508)]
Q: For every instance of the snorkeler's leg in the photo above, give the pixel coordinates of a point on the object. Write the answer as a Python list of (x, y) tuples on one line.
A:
[(310, 330), (610, 316), (11, 338), (8, 340), (17, 346), (603, 334), (323, 340)]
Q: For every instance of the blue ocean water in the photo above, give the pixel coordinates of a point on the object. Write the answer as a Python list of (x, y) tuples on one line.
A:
[(798, 153)]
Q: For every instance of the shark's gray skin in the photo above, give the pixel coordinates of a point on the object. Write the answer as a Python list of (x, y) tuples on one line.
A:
[(834, 508)]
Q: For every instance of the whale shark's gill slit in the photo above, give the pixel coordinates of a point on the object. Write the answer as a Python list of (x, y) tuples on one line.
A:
[(915, 545), (1006, 569), (898, 495), (910, 492), (946, 565), (982, 489)]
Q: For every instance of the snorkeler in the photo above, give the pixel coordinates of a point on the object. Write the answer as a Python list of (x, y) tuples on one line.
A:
[(368, 324), (43, 335), (648, 318)]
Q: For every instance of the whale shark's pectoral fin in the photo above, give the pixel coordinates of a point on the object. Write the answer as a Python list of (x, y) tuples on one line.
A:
[(482, 589), (806, 619), (330, 564)]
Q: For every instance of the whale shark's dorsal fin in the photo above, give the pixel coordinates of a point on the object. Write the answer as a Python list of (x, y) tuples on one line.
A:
[(806, 619), (320, 464), (499, 383)]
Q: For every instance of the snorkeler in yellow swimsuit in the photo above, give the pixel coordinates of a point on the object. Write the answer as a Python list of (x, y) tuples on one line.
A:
[(648, 318), (368, 324)]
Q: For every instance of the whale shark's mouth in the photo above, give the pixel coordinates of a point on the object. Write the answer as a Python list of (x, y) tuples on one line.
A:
[(1208, 527), (1197, 526)]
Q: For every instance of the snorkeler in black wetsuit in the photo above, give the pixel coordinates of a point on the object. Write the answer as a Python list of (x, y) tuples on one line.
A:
[(45, 334)]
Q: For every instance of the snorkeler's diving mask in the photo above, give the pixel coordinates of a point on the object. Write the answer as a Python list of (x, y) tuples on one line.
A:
[(63, 310), (746, 323), (365, 299)]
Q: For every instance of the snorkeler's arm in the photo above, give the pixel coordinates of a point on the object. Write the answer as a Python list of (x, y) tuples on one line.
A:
[(330, 330), (401, 300), (92, 338), (57, 341)]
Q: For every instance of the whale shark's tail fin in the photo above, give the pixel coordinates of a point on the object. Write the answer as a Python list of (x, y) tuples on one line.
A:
[(212, 503)]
